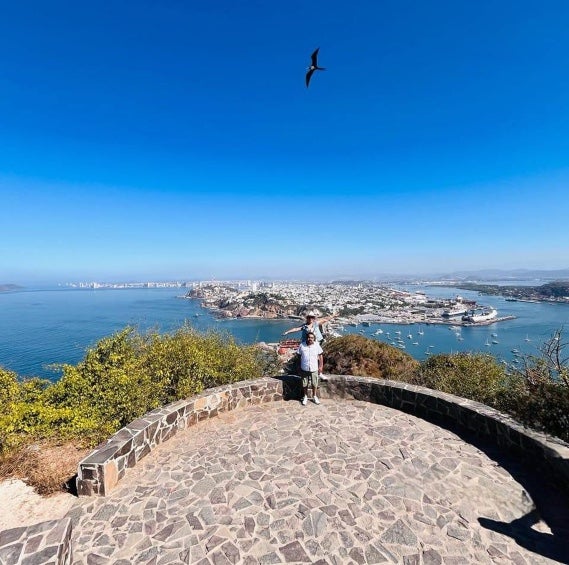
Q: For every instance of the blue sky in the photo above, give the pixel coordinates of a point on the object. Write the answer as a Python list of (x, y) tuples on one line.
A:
[(177, 139)]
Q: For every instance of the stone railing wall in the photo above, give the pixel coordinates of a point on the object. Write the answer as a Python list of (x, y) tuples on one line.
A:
[(106, 465), (44, 543)]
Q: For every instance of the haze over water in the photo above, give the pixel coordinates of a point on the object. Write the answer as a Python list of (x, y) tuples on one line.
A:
[(43, 327)]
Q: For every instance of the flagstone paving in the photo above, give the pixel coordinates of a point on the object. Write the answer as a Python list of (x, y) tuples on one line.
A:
[(343, 482)]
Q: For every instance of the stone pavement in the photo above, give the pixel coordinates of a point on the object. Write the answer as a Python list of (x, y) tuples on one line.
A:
[(343, 482)]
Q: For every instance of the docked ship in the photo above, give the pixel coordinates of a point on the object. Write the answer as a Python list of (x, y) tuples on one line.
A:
[(482, 314), (459, 307), (458, 310)]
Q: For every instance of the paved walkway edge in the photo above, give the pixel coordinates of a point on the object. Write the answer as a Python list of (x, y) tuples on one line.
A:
[(40, 544)]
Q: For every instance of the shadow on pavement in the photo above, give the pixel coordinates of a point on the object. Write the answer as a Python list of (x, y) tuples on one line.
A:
[(552, 546)]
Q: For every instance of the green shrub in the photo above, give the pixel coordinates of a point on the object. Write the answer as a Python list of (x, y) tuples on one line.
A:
[(186, 362), (541, 397), (476, 376), (110, 386), (543, 406), (9, 390), (121, 378)]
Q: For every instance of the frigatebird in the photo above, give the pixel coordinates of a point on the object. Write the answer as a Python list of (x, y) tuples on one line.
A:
[(313, 66)]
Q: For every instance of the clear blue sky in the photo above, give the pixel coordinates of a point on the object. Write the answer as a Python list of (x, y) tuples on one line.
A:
[(176, 139)]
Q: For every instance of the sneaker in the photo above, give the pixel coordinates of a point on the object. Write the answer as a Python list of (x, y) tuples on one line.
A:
[(304, 400), (316, 400)]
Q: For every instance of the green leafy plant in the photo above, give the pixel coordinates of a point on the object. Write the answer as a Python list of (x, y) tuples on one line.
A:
[(476, 376)]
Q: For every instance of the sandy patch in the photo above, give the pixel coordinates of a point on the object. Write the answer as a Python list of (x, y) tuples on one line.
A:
[(20, 505)]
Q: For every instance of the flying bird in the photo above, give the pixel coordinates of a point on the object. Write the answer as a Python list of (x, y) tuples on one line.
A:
[(313, 67)]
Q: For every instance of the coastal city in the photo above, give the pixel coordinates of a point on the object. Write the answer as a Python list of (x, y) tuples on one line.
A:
[(352, 303)]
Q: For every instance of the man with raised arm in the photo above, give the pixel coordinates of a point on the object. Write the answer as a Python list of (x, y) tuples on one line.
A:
[(311, 325)]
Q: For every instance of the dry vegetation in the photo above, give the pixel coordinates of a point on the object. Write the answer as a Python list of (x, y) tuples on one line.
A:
[(358, 355), (49, 468)]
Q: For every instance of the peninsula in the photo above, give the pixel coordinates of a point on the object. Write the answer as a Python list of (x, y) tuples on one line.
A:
[(9, 287), (351, 302), (557, 291)]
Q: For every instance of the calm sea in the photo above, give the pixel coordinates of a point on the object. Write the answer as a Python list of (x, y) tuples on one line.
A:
[(39, 328)]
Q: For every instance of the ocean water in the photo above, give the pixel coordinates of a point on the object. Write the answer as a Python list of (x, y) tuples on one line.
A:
[(44, 327)]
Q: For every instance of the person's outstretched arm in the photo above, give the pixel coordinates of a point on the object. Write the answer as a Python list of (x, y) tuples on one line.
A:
[(292, 330)]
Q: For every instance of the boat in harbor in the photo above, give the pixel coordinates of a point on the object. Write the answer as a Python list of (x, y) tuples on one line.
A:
[(454, 312), (482, 314)]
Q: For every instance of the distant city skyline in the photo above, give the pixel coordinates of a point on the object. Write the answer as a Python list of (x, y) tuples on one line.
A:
[(178, 141)]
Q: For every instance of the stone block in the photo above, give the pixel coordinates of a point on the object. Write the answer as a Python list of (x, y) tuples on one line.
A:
[(110, 476), (85, 488), (10, 536), (126, 447), (200, 404), (150, 431), (10, 554)]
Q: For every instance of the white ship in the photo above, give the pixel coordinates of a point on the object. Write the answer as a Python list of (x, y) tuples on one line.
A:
[(482, 314), (456, 311)]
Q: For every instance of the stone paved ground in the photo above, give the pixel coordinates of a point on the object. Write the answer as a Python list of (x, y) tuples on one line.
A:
[(343, 482)]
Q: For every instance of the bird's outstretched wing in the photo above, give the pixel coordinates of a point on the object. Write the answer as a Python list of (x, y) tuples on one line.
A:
[(308, 75), (314, 57)]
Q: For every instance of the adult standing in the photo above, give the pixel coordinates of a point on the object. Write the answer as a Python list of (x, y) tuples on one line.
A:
[(311, 325), (311, 363)]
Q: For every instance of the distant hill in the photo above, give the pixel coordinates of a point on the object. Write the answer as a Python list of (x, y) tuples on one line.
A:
[(9, 287), (513, 274)]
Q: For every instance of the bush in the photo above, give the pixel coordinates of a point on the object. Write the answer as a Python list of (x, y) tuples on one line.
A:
[(109, 388), (543, 406), (358, 355), (476, 376), (541, 397), (121, 378), (9, 390), (186, 362)]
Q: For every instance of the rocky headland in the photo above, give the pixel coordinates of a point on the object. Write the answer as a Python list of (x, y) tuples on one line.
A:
[(228, 302)]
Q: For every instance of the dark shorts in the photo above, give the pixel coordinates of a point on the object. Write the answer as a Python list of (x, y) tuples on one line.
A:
[(309, 378)]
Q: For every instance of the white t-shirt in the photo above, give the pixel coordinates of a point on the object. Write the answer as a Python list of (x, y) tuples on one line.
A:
[(309, 356)]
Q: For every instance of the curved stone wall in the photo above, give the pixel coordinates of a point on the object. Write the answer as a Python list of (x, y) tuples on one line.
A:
[(107, 464), (49, 542), (100, 471)]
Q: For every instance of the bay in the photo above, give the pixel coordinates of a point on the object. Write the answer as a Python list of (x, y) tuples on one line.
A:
[(42, 327)]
